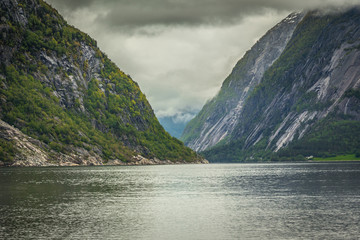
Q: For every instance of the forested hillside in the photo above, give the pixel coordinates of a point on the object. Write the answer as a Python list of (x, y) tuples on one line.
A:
[(307, 101), (71, 101)]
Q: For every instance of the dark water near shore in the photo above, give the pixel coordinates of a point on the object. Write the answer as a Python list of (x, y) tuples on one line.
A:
[(217, 201)]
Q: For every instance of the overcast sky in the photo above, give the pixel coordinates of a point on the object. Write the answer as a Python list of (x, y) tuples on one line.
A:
[(179, 51)]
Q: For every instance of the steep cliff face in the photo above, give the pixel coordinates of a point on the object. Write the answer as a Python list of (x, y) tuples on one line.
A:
[(309, 92), (58, 88), (217, 119)]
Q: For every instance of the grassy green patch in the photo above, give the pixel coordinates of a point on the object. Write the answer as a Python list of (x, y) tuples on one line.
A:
[(349, 157)]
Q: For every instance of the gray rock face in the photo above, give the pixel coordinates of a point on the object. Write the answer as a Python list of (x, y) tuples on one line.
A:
[(340, 74), (29, 150), (33, 153), (70, 76), (311, 89), (56, 86), (281, 94), (217, 119), (70, 87), (18, 14)]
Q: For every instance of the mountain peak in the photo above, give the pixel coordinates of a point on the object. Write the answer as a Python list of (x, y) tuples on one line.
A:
[(59, 89), (294, 86), (219, 116)]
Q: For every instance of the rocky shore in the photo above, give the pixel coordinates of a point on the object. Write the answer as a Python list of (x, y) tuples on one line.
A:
[(30, 152)]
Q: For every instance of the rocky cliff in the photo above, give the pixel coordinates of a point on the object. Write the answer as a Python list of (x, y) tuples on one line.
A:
[(67, 100), (306, 102), (217, 119)]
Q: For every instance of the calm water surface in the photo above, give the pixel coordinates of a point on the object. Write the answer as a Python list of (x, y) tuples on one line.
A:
[(217, 201)]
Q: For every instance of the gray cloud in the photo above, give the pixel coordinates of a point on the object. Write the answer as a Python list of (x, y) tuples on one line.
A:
[(137, 13), (179, 51), (71, 5)]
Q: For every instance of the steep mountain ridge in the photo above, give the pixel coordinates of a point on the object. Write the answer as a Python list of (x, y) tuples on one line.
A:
[(59, 89), (310, 91), (307, 83), (218, 118)]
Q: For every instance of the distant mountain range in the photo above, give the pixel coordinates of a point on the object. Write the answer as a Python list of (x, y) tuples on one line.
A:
[(172, 126), (294, 94), (64, 102)]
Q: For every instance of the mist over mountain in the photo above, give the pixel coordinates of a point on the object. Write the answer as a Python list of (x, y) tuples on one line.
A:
[(176, 124)]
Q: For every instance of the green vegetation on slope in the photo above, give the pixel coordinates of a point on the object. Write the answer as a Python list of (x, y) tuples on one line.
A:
[(273, 82), (279, 79), (284, 89), (117, 123), (7, 150), (340, 158), (236, 152), (328, 138), (247, 73)]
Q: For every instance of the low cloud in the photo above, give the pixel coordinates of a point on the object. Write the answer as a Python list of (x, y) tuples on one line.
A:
[(120, 13), (180, 68), (179, 51)]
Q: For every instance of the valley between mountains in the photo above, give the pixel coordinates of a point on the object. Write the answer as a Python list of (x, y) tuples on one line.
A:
[(293, 96)]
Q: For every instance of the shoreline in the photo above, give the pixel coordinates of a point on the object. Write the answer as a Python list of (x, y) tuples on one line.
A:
[(164, 162), (136, 161)]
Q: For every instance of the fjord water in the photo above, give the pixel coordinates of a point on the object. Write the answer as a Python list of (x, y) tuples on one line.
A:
[(216, 201)]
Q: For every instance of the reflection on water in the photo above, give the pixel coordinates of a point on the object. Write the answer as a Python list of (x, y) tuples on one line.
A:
[(217, 201)]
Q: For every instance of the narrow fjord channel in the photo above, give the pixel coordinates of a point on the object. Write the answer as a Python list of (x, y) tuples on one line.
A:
[(216, 201)]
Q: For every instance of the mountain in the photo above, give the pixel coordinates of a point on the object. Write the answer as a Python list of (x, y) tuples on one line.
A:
[(63, 102), (304, 100), (218, 118), (172, 126)]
